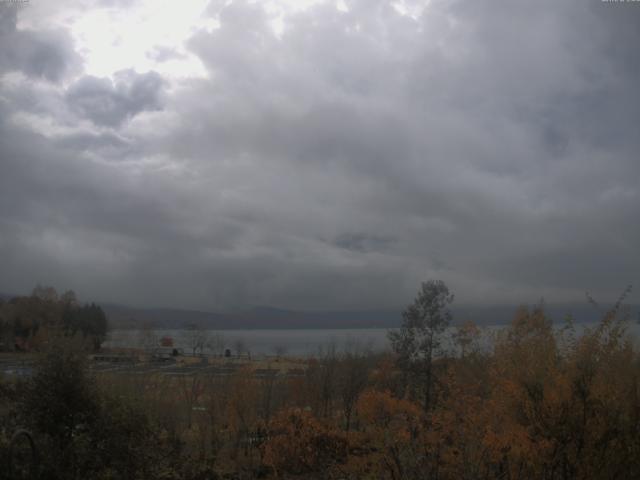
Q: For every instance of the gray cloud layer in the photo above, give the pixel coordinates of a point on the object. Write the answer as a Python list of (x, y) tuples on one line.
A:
[(107, 103), (47, 54), (335, 166)]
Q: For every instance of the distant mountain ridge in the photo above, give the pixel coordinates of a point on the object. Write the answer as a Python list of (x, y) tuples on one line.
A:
[(266, 317), (121, 317), (256, 318)]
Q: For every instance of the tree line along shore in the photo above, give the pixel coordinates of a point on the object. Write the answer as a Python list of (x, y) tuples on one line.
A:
[(541, 403)]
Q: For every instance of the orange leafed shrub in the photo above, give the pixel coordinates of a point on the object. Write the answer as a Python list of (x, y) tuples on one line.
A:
[(298, 443), (381, 408), (391, 444)]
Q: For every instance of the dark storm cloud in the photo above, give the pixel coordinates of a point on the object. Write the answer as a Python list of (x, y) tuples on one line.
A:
[(47, 54), (339, 163), (107, 102), (361, 242)]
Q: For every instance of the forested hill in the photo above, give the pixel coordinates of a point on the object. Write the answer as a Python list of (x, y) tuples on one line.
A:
[(122, 317)]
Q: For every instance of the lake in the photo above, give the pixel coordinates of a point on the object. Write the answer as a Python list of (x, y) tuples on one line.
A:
[(297, 342)]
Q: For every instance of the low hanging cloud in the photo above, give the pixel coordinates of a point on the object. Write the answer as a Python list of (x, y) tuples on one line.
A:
[(334, 162), (109, 103), (47, 54)]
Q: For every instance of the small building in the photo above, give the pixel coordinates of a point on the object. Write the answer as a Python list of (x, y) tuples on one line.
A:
[(165, 354)]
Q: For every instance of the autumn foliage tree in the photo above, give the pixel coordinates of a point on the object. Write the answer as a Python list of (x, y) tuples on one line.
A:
[(33, 322), (300, 444), (538, 401), (567, 412)]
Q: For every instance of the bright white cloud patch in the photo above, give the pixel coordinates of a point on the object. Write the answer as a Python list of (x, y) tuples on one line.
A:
[(112, 39)]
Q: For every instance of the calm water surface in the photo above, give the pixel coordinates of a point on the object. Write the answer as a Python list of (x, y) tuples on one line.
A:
[(299, 342), (259, 342)]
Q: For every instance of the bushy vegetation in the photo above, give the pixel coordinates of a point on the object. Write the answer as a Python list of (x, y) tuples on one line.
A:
[(541, 403), (82, 432), (31, 322)]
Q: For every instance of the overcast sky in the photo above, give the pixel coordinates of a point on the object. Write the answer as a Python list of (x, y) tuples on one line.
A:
[(319, 154)]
